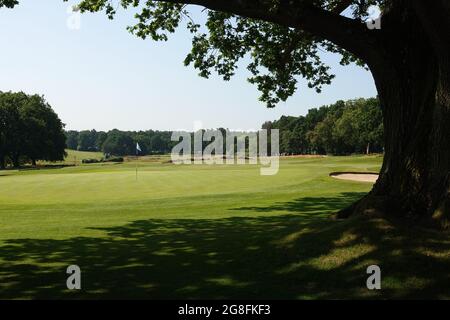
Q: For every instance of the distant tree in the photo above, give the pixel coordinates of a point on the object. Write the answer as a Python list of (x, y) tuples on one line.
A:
[(144, 140), (370, 121), (72, 139), (150, 141), (345, 134), (322, 137), (343, 127), (100, 139), (360, 127), (29, 129), (157, 144), (43, 132), (10, 127), (267, 125), (119, 143), (87, 140)]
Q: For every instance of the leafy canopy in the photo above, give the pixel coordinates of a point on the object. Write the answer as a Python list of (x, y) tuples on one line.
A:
[(29, 128)]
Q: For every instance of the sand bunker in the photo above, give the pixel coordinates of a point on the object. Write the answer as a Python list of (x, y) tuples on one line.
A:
[(355, 176)]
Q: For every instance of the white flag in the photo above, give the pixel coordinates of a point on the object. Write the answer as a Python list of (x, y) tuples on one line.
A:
[(138, 148)]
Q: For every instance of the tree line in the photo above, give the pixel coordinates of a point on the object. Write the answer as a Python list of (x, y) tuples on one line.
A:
[(120, 143), (29, 130), (345, 127)]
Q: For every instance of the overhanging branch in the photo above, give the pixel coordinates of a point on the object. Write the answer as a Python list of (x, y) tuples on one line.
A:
[(350, 34)]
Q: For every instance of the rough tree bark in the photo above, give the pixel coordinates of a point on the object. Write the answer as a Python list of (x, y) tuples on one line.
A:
[(411, 75)]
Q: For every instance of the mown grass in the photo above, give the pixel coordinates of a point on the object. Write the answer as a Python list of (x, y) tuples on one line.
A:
[(203, 231), (75, 157)]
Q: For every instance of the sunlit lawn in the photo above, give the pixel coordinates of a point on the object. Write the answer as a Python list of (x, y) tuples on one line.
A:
[(182, 231)]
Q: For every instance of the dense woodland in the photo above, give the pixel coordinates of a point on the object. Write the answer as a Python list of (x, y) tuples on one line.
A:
[(30, 131), (120, 143), (353, 126)]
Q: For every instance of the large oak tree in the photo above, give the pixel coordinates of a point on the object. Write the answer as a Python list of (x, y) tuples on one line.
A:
[(408, 57), (29, 130)]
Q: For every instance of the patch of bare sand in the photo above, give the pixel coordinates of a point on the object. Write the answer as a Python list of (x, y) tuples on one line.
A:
[(364, 177)]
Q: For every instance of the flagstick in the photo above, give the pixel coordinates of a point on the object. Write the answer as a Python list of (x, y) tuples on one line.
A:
[(136, 159)]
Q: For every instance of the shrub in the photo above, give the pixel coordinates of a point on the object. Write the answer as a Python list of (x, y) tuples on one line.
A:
[(115, 159), (90, 161)]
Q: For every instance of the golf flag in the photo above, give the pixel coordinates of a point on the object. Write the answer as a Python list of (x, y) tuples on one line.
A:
[(138, 148)]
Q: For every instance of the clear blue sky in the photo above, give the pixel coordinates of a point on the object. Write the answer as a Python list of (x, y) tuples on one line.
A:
[(102, 77)]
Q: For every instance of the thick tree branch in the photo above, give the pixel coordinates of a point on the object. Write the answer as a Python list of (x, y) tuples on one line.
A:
[(434, 17), (347, 33)]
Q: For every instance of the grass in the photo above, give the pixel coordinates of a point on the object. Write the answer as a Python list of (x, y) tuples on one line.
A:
[(74, 157), (207, 232)]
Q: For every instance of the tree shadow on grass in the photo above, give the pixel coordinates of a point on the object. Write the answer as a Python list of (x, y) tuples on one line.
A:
[(7, 171), (37, 167), (308, 205), (266, 257)]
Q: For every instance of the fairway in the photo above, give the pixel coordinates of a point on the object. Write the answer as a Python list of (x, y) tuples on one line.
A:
[(200, 231)]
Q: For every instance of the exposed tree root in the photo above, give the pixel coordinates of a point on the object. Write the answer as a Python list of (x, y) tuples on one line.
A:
[(372, 206)]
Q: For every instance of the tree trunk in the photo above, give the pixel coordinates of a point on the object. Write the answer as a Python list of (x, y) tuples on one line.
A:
[(413, 88), (33, 162), (2, 162)]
